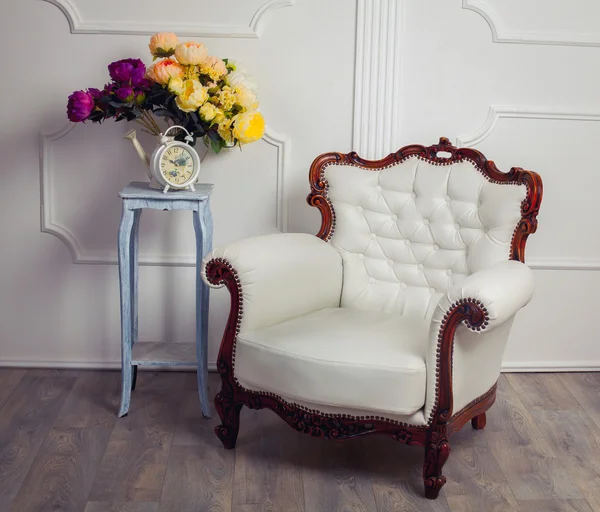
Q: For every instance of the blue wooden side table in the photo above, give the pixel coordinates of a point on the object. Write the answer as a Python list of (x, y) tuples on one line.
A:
[(137, 196)]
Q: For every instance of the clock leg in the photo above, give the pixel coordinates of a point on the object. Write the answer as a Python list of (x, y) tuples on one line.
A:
[(166, 189), (203, 228), (192, 188), (125, 232)]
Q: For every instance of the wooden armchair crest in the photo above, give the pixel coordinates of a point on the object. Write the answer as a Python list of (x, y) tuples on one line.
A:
[(393, 320)]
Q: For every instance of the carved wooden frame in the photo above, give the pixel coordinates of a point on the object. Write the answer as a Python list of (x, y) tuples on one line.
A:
[(442, 422)]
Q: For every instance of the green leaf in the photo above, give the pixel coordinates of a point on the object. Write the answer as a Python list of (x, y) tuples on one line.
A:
[(215, 146)]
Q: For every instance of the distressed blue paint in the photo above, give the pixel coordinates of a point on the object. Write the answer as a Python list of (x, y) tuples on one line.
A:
[(203, 227), (137, 196)]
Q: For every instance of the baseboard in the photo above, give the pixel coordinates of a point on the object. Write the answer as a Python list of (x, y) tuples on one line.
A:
[(508, 367), (551, 366), (92, 365)]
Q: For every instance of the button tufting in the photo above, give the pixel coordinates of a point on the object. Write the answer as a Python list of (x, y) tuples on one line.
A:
[(457, 225), (448, 199), (378, 188), (361, 256), (420, 266), (413, 195), (359, 209), (390, 262), (432, 289), (436, 247), (448, 272), (407, 242), (426, 222), (403, 286), (371, 280), (394, 217), (373, 236)]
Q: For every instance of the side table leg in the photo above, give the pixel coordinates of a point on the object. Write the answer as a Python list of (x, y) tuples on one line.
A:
[(134, 243), (203, 228), (124, 245)]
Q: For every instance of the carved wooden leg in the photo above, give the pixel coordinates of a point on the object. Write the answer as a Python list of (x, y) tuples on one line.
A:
[(478, 421), (437, 451), (229, 412)]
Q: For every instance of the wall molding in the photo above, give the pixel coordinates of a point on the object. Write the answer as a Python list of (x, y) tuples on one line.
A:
[(49, 224), (253, 29), (377, 78), (497, 112), (562, 263), (501, 34)]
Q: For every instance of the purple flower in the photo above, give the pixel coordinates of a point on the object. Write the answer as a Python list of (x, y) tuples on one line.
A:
[(80, 106), (127, 71), (124, 93), (95, 93)]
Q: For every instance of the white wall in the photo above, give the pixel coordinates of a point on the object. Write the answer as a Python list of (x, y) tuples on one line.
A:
[(518, 82)]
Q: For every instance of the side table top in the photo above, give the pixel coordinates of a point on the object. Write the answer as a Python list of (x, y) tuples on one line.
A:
[(142, 190)]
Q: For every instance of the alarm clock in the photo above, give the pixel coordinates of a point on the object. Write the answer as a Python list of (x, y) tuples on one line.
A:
[(175, 164)]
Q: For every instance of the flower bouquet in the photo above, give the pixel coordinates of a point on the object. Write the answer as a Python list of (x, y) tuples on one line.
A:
[(211, 97)]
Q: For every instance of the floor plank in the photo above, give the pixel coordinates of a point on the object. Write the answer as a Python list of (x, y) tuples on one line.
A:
[(396, 475), (198, 478), (335, 476), (475, 480), (585, 387), (192, 428), (542, 390), (135, 462), (9, 379), (555, 506), (527, 460), (576, 440), (25, 420), (267, 473), (62, 473), (104, 506), (200, 471), (93, 401)]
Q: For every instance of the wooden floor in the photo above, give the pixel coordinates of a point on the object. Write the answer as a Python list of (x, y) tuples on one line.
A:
[(63, 449)]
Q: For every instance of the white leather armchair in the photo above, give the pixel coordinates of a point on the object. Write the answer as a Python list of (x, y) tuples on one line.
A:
[(394, 318)]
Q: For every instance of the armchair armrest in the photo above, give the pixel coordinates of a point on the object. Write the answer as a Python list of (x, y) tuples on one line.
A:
[(278, 276), (502, 290), (468, 334)]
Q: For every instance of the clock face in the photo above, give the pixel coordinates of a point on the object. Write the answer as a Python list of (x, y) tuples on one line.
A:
[(176, 165)]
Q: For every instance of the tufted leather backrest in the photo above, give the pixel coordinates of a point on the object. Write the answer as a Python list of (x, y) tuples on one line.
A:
[(411, 226)]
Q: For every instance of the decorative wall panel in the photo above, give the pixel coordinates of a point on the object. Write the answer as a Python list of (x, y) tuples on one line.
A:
[(203, 18)]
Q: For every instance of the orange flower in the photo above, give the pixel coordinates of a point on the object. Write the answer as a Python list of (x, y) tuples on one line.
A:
[(163, 44), (164, 70)]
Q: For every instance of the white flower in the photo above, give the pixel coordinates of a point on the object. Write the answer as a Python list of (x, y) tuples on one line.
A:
[(236, 78)]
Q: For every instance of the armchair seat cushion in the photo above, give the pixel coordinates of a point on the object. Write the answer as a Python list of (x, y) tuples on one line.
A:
[(341, 357)]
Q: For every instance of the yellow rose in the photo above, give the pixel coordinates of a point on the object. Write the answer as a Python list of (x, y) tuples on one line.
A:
[(224, 130), (191, 53), (192, 97), (226, 98), (219, 116), (245, 98), (214, 67), (208, 111), (248, 127), (176, 85), (163, 44), (164, 70)]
